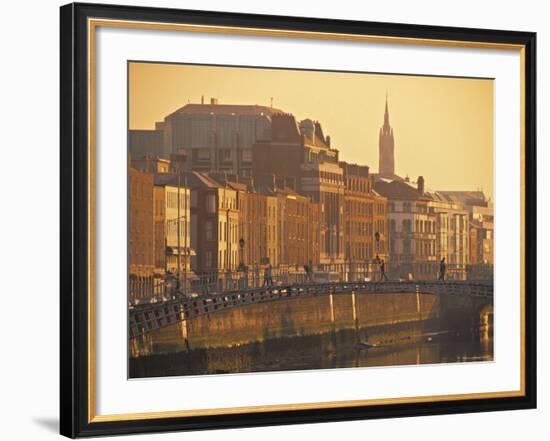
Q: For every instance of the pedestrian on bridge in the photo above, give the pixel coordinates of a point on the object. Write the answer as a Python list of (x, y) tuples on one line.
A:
[(268, 277), (442, 269), (309, 271)]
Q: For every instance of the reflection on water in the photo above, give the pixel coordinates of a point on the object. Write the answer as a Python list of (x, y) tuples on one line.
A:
[(405, 344)]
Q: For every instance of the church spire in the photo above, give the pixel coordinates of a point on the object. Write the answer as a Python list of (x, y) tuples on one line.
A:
[(386, 113), (386, 161)]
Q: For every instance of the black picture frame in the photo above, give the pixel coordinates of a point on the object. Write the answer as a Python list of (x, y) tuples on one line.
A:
[(74, 191)]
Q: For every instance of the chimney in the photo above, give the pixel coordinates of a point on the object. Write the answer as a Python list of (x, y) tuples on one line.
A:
[(328, 140), (202, 99), (420, 183), (213, 101)]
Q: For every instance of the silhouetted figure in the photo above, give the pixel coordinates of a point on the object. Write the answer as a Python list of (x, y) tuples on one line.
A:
[(270, 273), (383, 270), (442, 269), (268, 278), (309, 271)]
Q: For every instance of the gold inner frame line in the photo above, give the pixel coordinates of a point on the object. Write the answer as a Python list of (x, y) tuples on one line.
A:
[(92, 26)]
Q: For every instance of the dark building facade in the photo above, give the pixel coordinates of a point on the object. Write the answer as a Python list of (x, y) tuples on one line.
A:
[(216, 137), (144, 143), (141, 228), (151, 164), (214, 225), (301, 156)]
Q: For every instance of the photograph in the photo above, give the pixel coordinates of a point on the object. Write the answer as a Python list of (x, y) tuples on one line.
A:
[(289, 219), (274, 219)]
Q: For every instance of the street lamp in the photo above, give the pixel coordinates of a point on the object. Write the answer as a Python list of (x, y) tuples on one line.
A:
[(377, 239), (241, 245)]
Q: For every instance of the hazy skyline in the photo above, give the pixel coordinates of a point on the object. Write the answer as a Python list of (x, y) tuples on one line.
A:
[(443, 127)]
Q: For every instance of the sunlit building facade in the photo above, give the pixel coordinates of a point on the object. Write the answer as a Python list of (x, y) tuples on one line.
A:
[(365, 213), (412, 232), (173, 218), (452, 235)]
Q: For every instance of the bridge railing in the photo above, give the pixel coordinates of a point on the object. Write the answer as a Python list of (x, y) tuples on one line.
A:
[(148, 290)]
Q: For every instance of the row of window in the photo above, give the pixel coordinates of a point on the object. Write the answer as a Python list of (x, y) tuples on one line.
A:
[(172, 199), (359, 228), (204, 154), (356, 208), (362, 251), (226, 259), (421, 226), (172, 227), (335, 178), (407, 207), (358, 184)]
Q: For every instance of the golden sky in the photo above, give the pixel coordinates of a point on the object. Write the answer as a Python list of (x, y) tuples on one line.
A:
[(443, 127)]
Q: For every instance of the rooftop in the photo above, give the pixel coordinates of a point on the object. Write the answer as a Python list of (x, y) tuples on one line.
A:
[(465, 197), (399, 190), (188, 179), (225, 109)]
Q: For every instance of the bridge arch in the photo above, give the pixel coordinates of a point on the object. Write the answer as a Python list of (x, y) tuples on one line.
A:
[(457, 300)]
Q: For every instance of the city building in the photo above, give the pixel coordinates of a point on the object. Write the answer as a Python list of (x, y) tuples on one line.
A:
[(278, 226), (257, 221), (141, 256), (481, 230), (173, 248), (159, 219), (297, 226), (214, 225), (142, 143), (151, 164), (301, 157), (212, 136), (483, 218), (452, 235), (412, 221), (366, 222), (141, 229)]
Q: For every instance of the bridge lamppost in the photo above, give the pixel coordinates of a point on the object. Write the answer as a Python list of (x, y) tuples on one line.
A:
[(241, 245), (377, 239), (242, 266)]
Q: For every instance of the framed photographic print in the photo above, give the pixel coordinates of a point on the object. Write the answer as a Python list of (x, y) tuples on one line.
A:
[(272, 220)]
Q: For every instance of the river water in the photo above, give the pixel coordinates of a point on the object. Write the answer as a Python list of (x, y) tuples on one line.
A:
[(171, 352)]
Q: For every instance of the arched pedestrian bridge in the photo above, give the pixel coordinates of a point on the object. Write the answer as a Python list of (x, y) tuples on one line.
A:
[(457, 300)]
